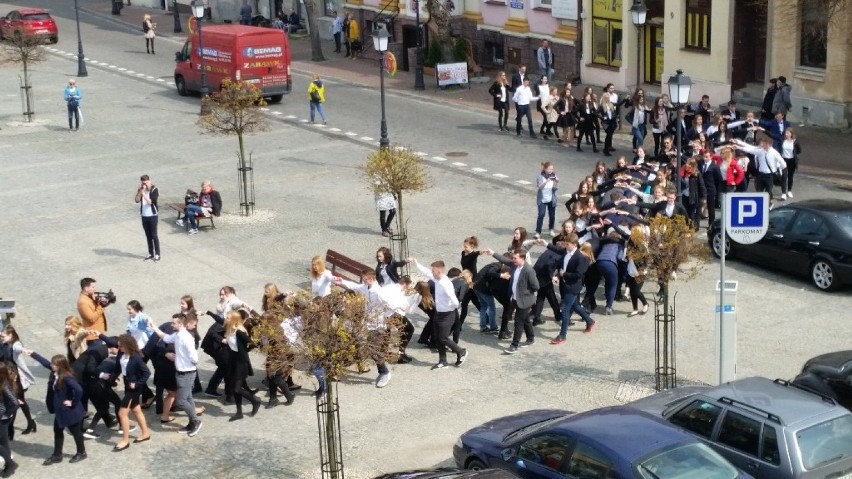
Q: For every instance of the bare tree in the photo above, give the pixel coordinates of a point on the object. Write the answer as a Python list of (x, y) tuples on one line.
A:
[(316, 43), (235, 110), (788, 15), (25, 50)]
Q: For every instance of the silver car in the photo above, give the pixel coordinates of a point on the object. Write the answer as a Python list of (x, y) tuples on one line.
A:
[(770, 429)]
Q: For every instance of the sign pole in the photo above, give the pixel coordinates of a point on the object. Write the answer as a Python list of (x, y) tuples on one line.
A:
[(721, 325)]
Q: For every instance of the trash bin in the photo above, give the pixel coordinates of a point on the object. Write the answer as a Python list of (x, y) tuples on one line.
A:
[(117, 5)]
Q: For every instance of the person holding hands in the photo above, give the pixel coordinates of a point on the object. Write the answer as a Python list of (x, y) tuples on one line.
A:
[(446, 304)]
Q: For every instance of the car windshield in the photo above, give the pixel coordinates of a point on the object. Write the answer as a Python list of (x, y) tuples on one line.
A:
[(690, 461), (844, 221), (534, 427), (37, 16), (827, 442)]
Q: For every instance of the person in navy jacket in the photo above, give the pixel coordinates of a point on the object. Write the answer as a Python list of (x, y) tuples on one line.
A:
[(130, 364), (65, 400)]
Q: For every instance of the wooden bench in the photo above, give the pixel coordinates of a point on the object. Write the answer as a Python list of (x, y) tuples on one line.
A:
[(340, 264), (181, 212)]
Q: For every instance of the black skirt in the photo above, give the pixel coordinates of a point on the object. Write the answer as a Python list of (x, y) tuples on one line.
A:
[(165, 374)]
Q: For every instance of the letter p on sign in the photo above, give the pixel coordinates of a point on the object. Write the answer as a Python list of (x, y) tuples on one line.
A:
[(746, 216)]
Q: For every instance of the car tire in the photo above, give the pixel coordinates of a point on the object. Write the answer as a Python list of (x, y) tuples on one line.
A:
[(181, 86), (276, 98), (476, 465), (824, 275), (716, 245), (54, 40)]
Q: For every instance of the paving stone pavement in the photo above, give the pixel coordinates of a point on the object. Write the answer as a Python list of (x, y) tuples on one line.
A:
[(70, 214)]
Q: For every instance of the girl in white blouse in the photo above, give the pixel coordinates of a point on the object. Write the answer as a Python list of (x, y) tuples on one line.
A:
[(320, 278)]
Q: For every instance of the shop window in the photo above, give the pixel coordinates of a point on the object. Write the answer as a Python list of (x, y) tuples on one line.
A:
[(606, 33), (698, 25), (547, 4), (813, 34)]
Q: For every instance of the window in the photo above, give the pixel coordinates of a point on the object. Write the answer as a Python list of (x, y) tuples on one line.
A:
[(606, 33), (779, 219), (827, 442), (770, 452), (813, 33), (810, 225), (698, 25), (548, 450), (548, 4), (699, 417), (691, 460), (741, 433), (589, 463)]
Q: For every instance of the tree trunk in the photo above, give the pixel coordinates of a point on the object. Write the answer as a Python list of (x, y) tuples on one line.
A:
[(316, 43), (28, 114), (245, 210), (332, 431)]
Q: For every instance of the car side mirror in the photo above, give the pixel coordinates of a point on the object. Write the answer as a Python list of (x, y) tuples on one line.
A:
[(506, 454), (179, 57)]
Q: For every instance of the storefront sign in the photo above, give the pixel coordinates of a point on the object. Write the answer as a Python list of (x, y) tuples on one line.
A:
[(517, 5), (451, 73), (566, 9), (610, 9)]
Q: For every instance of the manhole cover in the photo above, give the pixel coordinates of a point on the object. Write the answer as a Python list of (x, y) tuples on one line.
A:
[(456, 154)]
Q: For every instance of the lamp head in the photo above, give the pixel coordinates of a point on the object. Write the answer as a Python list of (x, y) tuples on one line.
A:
[(197, 8), (679, 86), (638, 13), (380, 37)]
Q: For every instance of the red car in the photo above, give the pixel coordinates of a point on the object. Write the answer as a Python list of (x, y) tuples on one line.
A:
[(29, 22)]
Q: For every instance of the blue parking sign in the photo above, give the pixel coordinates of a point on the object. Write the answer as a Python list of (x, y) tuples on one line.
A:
[(747, 216)]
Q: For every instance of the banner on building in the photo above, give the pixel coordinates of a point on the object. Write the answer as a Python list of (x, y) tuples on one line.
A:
[(451, 74), (565, 9)]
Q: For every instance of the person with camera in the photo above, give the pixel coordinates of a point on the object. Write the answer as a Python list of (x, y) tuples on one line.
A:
[(90, 306), (147, 196)]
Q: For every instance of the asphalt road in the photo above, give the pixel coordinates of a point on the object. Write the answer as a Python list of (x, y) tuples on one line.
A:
[(70, 214)]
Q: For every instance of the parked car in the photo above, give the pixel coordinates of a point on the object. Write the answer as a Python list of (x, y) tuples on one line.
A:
[(770, 429), (29, 22), (608, 443), (449, 473), (809, 238), (829, 374)]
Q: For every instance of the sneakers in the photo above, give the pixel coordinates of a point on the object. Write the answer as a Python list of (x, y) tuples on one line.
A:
[(156, 258), (383, 380), (609, 311), (511, 350), (783, 196), (149, 257), (196, 426), (552, 233), (528, 342), (790, 194), (440, 365), (90, 434), (193, 231), (558, 341), (462, 358), (179, 222)]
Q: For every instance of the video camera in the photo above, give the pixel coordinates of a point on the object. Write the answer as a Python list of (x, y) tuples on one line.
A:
[(105, 298)]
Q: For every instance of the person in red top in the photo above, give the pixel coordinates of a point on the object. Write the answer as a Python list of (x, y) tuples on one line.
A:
[(731, 172)]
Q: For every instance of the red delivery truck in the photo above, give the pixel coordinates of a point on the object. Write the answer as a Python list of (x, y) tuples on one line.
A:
[(260, 56)]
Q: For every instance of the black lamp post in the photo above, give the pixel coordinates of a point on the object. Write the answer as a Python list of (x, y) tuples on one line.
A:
[(638, 13), (418, 56), (380, 43), (81, 64), (178, 28), (197, 7), (679, 86)]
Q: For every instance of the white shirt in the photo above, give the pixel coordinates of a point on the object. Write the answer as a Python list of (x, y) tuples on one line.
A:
[(232, 342), (186, 356), (375, 306), (502, 93), (322, 286), (567, 258), (787, 149), (445, 294), (292, 328), (147, 207), (135, 329), (124, 360), (515, 275), (523, 95)]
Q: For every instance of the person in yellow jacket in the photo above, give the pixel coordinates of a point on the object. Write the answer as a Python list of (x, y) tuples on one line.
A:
[(354, 37), (316, 96)]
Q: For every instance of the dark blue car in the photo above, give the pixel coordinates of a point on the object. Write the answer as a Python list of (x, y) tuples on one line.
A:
[(607, 443)]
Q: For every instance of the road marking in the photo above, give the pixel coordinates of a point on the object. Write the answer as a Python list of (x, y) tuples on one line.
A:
[(336, 130), (351, 133), (277, 113), (303, 120), (263, 109), (366, 138), (439, 158), (149, 77), (420, 153), (523, 182), (291, 117), (500, 175), (479, 170), (319, 125), (130, 72), (160, 79), (456, 163), (122, 69), (113, 66)]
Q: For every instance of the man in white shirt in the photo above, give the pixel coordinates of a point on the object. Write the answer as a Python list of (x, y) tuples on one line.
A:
[(376, 308), (446, 304), (767, 160), (186, 361), (522, 97)]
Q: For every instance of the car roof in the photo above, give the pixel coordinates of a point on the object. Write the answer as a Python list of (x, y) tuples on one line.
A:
[(30, 11), (837, 360), (624, 431), (790, 404), (832, 205)]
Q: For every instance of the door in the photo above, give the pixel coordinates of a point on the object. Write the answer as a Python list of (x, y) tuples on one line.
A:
[(653, 44), (771, 250), (409, 40), (542, 456), (748, 56), (806, 235)]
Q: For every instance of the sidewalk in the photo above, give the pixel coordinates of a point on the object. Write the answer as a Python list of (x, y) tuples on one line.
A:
[(823, 154)]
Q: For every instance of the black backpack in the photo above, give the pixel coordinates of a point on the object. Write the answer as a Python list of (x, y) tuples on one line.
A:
[(145, 27)]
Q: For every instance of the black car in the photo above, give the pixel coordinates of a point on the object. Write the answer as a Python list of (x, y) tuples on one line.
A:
[(829, 374), (449, 473), (810, 238)]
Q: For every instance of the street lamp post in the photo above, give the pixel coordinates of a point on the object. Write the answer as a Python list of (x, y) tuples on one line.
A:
[(197, 7), (638, 13), (81, 63), (679, 86), (380, 43), (178, 28), (418, 57)]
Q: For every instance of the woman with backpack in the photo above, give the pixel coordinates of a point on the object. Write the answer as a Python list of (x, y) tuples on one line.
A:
[(73, 97), (316, 97), (148, 28)]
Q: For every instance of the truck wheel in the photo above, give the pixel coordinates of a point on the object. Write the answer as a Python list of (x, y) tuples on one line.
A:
[(181, 86), (276, 98)]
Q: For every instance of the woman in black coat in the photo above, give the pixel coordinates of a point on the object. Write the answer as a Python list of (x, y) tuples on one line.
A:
[(65, 400), (500, 94), (587, 116), (131, 365), (239, 365), (387, 270), (693, 190)]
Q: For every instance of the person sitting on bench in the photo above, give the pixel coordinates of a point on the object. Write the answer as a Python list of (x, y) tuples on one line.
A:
[(209, 202), (295, 23)]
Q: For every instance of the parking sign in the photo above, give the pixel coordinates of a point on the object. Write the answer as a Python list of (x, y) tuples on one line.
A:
[(748, 216)]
